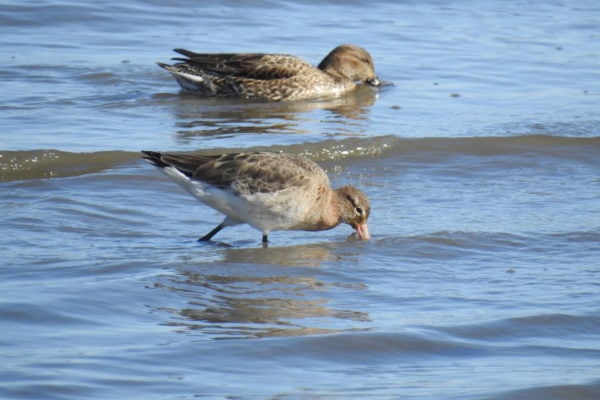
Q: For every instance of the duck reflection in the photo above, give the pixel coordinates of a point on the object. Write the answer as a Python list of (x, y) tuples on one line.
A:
[(263, 293), (223, 117)]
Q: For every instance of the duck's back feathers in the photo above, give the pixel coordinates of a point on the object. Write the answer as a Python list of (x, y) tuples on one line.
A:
[(248, 65)]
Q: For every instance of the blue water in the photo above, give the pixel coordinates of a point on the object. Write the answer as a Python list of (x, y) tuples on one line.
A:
[(480, 160)]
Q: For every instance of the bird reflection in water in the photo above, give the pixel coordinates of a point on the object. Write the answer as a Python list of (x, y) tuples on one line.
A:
[(262, 293), (213, 117)]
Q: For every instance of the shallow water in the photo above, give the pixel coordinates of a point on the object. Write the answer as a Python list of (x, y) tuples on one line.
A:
[(481, 162)]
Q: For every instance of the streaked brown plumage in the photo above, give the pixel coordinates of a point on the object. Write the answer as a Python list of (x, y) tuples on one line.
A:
[(269, 191), (273, 77)]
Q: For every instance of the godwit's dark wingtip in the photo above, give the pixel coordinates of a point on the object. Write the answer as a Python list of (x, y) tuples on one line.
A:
[(154, 157)]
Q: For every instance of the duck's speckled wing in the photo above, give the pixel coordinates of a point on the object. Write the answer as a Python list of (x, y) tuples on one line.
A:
[(247, 65)]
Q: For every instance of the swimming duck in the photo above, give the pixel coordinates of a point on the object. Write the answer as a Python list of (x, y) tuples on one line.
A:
[(273, 77)]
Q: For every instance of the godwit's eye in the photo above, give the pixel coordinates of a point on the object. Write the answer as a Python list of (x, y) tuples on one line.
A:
[(359, 210)]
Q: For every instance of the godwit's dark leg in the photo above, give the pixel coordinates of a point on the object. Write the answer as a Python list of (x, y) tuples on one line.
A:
[(265, 238), (212, 233)]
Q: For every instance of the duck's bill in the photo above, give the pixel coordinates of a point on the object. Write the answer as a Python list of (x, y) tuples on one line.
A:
[(375, 82), (381, 84), (362, 231)]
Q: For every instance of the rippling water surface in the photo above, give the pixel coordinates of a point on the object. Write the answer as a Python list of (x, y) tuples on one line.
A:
[(481, 159)]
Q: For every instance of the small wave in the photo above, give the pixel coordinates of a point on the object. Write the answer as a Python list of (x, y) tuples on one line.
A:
[(538, 326), (433, 148), (36, 164), (555, 392), (377, 347), (490, 146), (39, 164)]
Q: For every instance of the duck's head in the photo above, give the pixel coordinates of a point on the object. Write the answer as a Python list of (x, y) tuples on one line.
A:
[(351, 62)]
